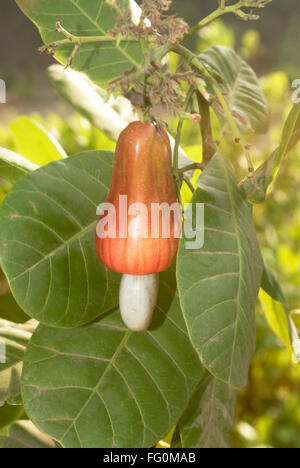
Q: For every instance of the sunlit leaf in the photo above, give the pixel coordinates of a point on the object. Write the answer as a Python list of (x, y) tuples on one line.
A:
[(275, 306), (276, 316), (34, 142)]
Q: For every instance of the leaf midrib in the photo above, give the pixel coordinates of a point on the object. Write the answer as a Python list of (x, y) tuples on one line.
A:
[(235, 222)]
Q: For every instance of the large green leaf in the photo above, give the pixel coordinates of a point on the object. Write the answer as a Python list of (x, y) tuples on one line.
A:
[(240, 88), (34, 142), (208, 420), (102, 385), (15, 337), (47, 228), (23, 434), (102, 62), (218, 284), (13, 166)]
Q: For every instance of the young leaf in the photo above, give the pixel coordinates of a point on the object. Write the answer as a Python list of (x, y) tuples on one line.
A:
[(34, 142), (256, 186), (47, 252), (240, 88), (102, 61), (23, 434), (209, 418), (103, 385), (218, 284), (15, 339)]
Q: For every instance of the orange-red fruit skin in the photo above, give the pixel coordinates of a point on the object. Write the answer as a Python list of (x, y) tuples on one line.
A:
[(142, 171)]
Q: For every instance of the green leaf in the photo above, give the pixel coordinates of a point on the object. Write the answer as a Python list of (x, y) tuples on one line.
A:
[(13, 166), (23, 434), (102, 385), (240, 88), (256, 186), (15, 338), (34, 142), (275, 307), (218, 284), (9, 414), (47, 229), (209, 418), (102, 62)]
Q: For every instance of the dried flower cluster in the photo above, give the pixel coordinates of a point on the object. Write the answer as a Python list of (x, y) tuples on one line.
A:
[(157, 88), (160, 91), (159, 26)]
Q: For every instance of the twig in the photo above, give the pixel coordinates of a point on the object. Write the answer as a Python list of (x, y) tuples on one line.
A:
[(190, 167), (78, 41), (189, 184), (223, 10)]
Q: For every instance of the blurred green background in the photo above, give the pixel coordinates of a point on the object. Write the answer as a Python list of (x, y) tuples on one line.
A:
[(268, 413)]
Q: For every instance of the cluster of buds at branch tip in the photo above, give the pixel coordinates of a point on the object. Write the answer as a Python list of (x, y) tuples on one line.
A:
[(251, 4)]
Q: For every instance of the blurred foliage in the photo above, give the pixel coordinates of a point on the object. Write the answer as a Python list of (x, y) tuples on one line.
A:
[(268, 412), (278, 29)]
